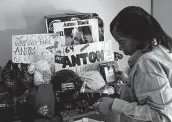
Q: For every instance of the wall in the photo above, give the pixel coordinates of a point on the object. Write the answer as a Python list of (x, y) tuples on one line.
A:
[(161, 11), (27, 17)]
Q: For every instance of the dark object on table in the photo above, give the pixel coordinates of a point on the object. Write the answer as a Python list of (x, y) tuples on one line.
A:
[(18, 83), (42, 100), (66, 85), (6, 102)]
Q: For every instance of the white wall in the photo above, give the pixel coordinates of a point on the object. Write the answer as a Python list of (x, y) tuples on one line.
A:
[(162, 12), (27, 17)]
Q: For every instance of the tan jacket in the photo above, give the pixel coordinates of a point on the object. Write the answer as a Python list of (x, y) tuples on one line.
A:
[(147, 96)]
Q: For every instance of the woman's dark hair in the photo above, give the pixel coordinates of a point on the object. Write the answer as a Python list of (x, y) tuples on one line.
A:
[(136, 22)]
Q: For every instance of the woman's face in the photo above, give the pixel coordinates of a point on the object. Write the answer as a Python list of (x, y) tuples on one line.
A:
[(127, 44)]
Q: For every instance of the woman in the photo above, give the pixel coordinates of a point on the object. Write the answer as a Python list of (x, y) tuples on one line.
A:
[(147, 94)]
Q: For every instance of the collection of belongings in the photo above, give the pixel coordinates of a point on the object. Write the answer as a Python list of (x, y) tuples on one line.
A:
[(77, 44), (82, 50), (14, 87)]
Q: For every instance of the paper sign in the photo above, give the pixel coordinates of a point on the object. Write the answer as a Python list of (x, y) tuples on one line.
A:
[(24, 46), (81, 57)]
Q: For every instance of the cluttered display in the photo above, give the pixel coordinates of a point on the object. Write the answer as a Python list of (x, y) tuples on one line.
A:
[(72, 61)]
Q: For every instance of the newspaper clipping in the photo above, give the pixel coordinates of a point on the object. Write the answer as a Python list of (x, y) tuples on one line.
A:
[(78, 32)]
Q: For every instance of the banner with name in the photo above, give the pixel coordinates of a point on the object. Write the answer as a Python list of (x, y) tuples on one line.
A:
[(24, 46), (83, 57), (78, 31)]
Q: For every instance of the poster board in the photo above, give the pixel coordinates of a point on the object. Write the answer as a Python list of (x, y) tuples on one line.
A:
[(24, 46), (84, 57)]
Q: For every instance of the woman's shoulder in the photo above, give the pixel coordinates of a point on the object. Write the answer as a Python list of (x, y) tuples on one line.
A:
[(159, 56)]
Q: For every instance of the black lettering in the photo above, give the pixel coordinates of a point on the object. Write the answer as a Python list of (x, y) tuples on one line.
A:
[(92, 57), (17, 51), (24, 50), (31, 50), (76, 60), (72, 48), (69, 24), (41, 39), (84, 57), (66, 62), (59, 59), (17, 59), (20, 43), (44, 40)]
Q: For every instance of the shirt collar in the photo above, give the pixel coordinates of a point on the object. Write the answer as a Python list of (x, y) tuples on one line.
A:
[(132, 60)]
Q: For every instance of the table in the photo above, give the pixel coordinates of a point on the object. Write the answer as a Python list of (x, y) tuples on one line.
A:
[(74, 115)]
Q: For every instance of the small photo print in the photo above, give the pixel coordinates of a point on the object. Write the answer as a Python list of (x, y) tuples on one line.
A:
[(78, 35)]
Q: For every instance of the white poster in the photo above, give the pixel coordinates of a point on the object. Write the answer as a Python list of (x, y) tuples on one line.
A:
[(83, 57), (24, 46), (78, 32)]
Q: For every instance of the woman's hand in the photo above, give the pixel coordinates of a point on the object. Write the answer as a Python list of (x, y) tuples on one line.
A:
[(122, 76), (103, 105)]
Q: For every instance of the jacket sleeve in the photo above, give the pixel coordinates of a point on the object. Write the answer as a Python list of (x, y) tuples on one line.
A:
[(153, 93)]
